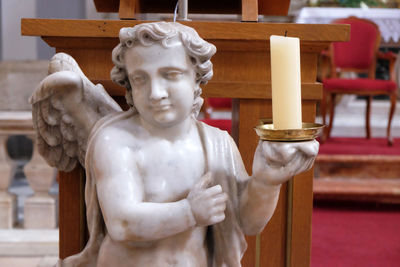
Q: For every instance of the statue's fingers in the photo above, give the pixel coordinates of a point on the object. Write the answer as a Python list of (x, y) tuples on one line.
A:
[(220, 198), (217, 218), (279, 153), (204, 182), (213, 191), (302, 164), (310, 148), (219, 208)]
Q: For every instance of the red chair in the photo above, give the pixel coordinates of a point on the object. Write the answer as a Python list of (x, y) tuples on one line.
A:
[(217, 104), (358, 55)]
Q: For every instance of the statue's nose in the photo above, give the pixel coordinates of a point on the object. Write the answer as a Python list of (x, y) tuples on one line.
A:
[(157, 90)]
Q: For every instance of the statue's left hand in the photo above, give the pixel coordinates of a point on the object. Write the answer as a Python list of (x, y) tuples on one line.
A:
[(277, 162)]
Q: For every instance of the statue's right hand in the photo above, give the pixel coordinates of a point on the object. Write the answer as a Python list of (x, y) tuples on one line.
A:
[(207, 203)]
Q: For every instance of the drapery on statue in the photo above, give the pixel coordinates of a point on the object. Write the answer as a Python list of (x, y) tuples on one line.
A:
[(162, 188)]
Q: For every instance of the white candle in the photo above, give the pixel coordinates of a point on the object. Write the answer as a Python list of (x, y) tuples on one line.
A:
[(285, 81)]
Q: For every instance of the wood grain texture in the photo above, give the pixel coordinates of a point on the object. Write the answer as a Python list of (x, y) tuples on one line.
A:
[(106, 5), (300, 248), (302, 201), (127, 9), (273, 238), (265, 7), (274, 7), (207, 30), (250, 10), (72, 212)]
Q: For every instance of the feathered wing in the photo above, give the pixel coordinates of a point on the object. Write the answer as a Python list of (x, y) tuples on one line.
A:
[(65, 106)]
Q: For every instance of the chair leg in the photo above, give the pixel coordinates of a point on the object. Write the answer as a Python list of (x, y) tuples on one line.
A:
[(324, 104), (323, 107), (368, 117), (331, 114), (393, 100)]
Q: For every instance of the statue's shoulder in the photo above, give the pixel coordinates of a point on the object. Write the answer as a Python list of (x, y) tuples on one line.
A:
[(115, 128)]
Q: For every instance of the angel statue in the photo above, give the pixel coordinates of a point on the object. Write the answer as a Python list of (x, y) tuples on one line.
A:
[(162, 188)]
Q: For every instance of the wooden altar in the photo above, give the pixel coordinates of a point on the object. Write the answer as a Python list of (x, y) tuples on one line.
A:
[(241, 72)]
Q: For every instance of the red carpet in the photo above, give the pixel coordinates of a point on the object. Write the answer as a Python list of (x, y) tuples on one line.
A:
[(359, 146), (355, 236)]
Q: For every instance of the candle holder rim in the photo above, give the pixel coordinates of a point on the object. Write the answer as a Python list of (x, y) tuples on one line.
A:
[(309, 131)]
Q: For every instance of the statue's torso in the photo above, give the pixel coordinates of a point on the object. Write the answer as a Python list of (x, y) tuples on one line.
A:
[(168, 171)]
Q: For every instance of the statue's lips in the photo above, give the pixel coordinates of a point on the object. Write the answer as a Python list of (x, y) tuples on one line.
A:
[(162, 107)]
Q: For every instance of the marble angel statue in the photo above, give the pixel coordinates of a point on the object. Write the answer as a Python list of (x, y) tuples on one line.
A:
[(162, 188)]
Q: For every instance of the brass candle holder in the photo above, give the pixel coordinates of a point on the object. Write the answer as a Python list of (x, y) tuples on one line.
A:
[(309, 131)]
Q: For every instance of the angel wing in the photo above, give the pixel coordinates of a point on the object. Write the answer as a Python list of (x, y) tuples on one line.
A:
[(65, 106)]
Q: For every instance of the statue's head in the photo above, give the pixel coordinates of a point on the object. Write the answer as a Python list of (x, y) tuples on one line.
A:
[(165, 35)]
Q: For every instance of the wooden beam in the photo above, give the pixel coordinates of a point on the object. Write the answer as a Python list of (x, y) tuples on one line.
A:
[(127, 9), (207, 30), (250, 10)]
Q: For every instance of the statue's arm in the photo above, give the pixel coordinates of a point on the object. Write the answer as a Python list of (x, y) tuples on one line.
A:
[(257, 205), (127, 215), (274, 163)]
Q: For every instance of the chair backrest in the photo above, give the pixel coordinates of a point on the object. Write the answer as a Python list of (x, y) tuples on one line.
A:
[(359, 54)]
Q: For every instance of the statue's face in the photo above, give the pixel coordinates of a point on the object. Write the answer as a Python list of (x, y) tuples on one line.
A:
[(163, 83)]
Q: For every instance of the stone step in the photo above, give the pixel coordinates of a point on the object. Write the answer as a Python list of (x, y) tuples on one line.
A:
[(355, 189), (26, 242), (358, 166), (374, 178)]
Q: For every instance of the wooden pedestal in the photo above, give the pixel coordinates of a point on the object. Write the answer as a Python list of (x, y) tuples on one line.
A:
[(242, 72)]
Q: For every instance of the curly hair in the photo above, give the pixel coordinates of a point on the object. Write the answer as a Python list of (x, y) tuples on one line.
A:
[(146, 34)]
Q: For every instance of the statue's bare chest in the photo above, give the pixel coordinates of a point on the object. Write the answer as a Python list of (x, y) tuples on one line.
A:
[(170, 170)]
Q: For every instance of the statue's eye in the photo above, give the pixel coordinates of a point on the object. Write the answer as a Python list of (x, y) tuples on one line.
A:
[(173, 75), (138, 80)]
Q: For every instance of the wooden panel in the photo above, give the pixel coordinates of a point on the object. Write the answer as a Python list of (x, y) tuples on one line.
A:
[(249, 257), (250, 10), (307, 60), (127, 9), (274, 7), (72, 215), (85, 58), (266, 7), (272, 240), (299, 253), (255, 90), (207, 30), (106, 5), (222, 45), (245, 90), (300, 245)]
